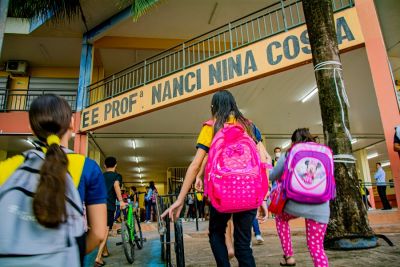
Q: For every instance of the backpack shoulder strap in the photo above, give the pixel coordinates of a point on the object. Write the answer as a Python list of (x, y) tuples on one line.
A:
[(9, 166), (75, 167), (208, 123)]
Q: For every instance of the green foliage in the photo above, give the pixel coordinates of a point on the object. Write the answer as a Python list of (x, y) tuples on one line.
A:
[(67, 9), (141, 7), (31, 9)]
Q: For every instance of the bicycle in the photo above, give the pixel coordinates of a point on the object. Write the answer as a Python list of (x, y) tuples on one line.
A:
[(131, 233), (165, 235)]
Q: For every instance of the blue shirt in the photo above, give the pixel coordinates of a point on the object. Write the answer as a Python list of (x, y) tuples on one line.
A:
[(91, 188), (380, 176)]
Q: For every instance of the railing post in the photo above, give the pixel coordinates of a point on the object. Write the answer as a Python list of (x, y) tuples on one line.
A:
[(230, 36), (144, 72), (183, 57), (113, 86), (85, 97), (5, 104), (284, 15)]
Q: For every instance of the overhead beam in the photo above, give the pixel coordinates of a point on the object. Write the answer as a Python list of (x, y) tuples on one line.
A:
[(119, 42), (107, 24), (38, 22)]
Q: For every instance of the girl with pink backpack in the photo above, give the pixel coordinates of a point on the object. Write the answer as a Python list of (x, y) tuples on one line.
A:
[(235, 179), (306, 174)]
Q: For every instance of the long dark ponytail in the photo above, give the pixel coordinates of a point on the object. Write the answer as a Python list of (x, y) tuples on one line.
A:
[(50, 117), (223, 105)]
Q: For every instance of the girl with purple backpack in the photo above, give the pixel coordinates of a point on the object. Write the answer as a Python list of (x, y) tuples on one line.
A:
[(316, 215), (226, 115)]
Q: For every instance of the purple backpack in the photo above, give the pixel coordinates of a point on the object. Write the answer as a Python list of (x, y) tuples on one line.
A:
[(308, 174)]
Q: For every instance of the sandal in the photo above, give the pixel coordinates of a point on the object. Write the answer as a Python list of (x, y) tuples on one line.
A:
[(105, 255), (99, 264), (286, 258)]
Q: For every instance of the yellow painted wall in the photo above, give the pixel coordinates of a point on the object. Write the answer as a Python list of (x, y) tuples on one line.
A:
[(17, 92), (53, 72), (3, 155), (97, 75)]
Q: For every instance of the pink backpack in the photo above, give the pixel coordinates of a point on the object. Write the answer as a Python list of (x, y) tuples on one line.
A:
[(235, 179), (308, 175)]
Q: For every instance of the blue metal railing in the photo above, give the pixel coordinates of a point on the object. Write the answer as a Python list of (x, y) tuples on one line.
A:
[(264, 23)]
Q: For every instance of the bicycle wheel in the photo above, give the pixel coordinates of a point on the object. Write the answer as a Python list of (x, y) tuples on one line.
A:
[(127, 243), (138, 233), (162, 241), (179, 250)]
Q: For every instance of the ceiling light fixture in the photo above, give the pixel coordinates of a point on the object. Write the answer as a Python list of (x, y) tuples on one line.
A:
[(140, 170), (373, 155), (140, 176), (384, 164), (137, 160), (309, 95), (285, 145), (133, 144)]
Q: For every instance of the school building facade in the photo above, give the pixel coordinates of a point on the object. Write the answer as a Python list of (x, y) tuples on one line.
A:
[(140, 89)]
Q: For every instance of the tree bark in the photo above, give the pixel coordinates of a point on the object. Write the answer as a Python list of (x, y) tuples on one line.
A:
[(348, 213)]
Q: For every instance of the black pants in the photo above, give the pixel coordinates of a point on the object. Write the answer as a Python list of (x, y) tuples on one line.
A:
[(200, 208), (242, 222), (366, 201), (382, 195)]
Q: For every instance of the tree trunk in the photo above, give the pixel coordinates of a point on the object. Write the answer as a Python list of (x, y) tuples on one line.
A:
[(348, 213)]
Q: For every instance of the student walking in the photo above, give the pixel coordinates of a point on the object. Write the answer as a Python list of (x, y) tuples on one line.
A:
[(228, 126), (44, 176), (150, 200), (113, 182), (316, 214)]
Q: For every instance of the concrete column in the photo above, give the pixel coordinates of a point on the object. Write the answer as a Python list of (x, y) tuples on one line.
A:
[(363, 172), (85, 73), (383, 84)]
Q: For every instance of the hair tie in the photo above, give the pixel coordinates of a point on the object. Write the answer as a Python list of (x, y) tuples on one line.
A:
[(53, 139)]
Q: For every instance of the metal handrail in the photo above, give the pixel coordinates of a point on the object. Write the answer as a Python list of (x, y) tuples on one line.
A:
[(20, 100), (271, 20)]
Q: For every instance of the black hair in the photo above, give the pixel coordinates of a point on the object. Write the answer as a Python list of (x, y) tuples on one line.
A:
[(302, 135), (151, 185), (51, 115), (110, 162), (223, 105)]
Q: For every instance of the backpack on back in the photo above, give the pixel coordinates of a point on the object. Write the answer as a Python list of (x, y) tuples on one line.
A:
[(308, 176), (235, 178), (32, 244), (154, 195)]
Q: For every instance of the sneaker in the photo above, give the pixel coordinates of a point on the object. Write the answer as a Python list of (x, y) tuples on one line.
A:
[(148, 222), (259, 239)]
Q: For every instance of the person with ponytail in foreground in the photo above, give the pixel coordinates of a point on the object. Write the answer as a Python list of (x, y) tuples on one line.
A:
[(44, 192)]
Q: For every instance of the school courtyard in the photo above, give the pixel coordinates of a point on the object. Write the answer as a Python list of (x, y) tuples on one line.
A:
[(198, 251)]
